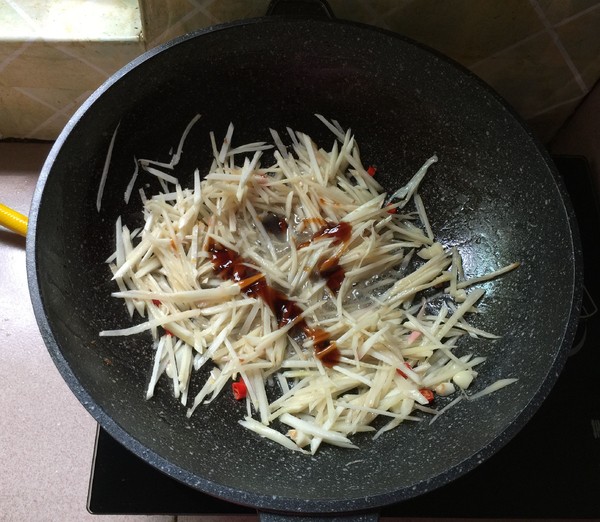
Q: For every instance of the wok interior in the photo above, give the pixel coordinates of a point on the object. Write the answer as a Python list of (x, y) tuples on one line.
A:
[(492, 195)]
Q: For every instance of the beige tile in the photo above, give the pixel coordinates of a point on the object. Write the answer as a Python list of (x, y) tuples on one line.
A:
[(531, 76), (236, 9), (106, 56), (372, 13), (581, 39), (158, 17), (53, 126), (10, 50), (558, 10), (194, 21), (50, 96), (19, 113), (465, 30), (41, 78), (42, 65)]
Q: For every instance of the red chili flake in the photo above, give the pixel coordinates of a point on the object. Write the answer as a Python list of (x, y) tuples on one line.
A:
[(156, 302), (428, 394), (239, 389), (401, 373), (168, 332), (393, 210), (372, 170)]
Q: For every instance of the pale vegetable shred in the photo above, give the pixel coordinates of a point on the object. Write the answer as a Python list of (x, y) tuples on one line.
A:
[(323, 299)]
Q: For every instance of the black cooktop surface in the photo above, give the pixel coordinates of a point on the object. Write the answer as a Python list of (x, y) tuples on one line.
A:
[(551, 469)]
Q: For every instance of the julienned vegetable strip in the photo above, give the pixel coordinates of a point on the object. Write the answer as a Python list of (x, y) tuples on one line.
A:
[(299, 279)]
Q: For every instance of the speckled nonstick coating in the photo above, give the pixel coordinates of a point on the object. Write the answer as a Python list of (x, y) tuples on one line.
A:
[(494, 194)]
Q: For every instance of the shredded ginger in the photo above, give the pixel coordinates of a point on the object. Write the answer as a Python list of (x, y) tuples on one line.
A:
[(330, 301)]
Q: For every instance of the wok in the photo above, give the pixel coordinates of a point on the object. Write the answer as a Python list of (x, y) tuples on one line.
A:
[(494, 195)]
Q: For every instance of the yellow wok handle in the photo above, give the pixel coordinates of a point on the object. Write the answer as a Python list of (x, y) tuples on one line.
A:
[(13, 220)]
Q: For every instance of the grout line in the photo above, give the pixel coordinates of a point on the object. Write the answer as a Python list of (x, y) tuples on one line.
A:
[(506, 49), (26, 18), (555, 106), (68, 52), (204, 10), (62, 112), (25, 92), (13, 56), (396, 8), (377, 17), (565, 55), (160, 38), (577, 15)]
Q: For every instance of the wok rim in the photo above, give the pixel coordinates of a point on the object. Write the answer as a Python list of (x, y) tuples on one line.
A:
[(265, 501)]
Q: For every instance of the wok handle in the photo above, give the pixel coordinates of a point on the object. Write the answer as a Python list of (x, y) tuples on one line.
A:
[(13, 220), (275, 517), (304, 8)]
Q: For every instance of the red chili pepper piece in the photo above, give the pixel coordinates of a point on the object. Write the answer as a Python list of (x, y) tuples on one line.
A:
[(168, 332), (428, 394), (401, 373), (156, 302), (239, 389), (372, 170)]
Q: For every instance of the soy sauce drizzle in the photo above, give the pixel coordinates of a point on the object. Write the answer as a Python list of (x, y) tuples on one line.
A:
[(228, 264), (339, 232), (329, 268), (333, 273)]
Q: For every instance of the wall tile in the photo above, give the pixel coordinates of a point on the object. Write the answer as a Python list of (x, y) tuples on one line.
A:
[(43, 83), (104, 57), (52, 97), (581, 134), (49, 129), (506, 43), (532, 76), (373, 13), (237, 9), (19, 113), (558, 10), (42, 65), (465, 30), (193, 21), (581, 39), (546, 125), (160, 17)]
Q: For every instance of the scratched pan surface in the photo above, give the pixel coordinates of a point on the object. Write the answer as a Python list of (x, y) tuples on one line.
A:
[(493, 194)]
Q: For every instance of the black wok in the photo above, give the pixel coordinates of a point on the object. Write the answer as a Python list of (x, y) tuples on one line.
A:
[(494, 194)]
